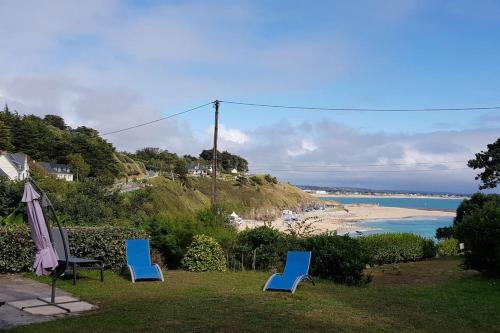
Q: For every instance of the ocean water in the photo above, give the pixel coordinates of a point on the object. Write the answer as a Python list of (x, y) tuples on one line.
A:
[(421, 203), (424, 226)]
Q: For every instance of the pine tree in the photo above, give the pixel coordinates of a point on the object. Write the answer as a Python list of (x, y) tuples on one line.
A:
[(5, 137)]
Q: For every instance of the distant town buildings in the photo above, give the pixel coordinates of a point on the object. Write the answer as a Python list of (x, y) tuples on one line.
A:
[(14, 165), (60, 171)]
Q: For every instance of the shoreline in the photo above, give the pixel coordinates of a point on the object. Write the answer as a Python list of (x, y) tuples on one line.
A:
[(378, 196), (346, 220)]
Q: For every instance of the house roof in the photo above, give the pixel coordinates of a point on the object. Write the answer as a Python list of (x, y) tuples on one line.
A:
[(55, 167), (18, 160)]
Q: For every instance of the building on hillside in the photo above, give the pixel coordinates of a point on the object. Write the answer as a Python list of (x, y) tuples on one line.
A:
[(60, 171), (198, 170), (234, 171), (14, 165)]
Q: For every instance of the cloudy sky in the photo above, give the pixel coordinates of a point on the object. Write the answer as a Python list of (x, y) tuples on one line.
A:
[(112, 64)]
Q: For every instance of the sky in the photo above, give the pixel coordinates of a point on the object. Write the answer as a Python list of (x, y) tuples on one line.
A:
[(113, 64)]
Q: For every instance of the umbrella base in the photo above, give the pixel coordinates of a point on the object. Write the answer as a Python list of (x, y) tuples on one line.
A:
[(62, 305)]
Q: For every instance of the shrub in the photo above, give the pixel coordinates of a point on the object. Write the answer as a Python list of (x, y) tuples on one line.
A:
[(172, 236), (475, 204), (480, 233), (257, 180), (397, 247), (448, 247), (269, 245), (270, 179), (444, 232), (339, 258), (17, 251), (204, 254), (104, 243)]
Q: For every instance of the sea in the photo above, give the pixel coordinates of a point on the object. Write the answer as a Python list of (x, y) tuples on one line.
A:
[(424, 226)]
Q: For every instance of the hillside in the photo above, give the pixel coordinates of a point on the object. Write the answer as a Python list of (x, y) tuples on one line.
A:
[(129, 166), (253, 200)]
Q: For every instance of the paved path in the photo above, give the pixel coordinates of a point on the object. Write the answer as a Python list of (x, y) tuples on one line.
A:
[(16, 288)]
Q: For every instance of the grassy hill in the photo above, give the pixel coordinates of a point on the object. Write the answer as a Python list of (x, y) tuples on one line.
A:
[(129, 166), (255, 199)]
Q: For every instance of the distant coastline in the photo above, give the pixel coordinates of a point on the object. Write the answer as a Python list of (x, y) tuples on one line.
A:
[(386, 195)]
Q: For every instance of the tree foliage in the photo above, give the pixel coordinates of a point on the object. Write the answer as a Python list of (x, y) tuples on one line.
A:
[(50, 139), (488, 160), (226, 160)]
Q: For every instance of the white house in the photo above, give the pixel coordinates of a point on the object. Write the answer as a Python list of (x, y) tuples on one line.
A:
[(60, 171), (14, 166), (198, 170), (234, 171)]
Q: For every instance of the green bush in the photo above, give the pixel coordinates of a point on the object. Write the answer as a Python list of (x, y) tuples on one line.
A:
[(268, 244), (204, 254), (104, 243), (397, 247), (448, 247), (475, 204), (172, 236), (17, 251), (480, 233), (339, 258)]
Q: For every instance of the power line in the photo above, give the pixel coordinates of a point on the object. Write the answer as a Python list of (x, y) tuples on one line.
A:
[(157, 120), (362, 109)]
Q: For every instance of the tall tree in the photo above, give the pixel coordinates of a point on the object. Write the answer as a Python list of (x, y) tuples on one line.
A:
[(488, 160), (55, 121), (78, 165), (5, 137)]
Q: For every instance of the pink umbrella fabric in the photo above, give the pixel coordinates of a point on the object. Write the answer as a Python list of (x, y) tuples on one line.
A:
[(46, 258)]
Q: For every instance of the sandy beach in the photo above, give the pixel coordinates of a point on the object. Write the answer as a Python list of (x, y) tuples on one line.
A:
[(334, 219)]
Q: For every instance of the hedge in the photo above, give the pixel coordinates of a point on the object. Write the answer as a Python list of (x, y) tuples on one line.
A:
[(398, 247), (17, 250), (339, 258)]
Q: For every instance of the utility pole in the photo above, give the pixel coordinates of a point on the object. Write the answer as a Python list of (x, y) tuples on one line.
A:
[(214, 156)]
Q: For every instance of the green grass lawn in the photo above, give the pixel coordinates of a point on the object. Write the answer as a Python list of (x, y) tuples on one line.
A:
[(431, 296)]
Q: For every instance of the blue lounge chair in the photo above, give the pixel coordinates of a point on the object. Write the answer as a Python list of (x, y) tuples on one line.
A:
[(296, 270), (139, 261)]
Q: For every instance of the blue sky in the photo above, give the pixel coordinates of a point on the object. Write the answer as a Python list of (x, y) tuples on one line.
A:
[(111, 64)]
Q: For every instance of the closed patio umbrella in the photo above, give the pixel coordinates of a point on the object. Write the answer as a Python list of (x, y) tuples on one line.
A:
[(46, 259)]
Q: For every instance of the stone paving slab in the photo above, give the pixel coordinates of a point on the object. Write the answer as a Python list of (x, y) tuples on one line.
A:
[(15, 289)]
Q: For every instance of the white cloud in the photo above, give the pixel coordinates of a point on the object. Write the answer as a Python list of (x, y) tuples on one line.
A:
[(306, 146)]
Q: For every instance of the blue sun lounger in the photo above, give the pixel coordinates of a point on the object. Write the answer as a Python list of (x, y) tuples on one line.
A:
[(139, 261), (296, 270)]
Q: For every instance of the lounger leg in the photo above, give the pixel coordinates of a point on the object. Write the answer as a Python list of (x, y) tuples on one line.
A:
[(74, 273), (102, 271)]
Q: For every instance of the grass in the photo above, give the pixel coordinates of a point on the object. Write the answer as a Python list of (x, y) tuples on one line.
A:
[(170, 198), (431, 296)]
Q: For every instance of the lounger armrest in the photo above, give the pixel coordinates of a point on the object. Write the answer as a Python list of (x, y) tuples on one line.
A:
[(160, 272), (132, 274), (269, 280)]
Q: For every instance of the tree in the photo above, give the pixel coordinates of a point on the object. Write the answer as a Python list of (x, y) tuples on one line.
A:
[(180, 169), (55, 121), (5, 137), (488, 160), (78, 165)]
